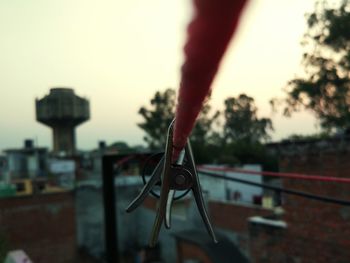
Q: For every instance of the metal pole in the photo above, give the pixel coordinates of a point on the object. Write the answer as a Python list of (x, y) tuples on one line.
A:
[(110, 204)]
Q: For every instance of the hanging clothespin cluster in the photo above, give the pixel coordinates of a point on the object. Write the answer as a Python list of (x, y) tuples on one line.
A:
[(180, 176)]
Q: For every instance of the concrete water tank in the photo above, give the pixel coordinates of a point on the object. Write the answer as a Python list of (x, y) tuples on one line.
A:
[(62, 110)]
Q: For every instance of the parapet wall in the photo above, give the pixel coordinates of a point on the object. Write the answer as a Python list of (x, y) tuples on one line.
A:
[(41, 225)]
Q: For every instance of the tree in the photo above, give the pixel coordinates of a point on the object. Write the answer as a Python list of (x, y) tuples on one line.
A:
[(202, 131), (203, 136), (243, 134), (120, 147), (242, 123), (239, 142), (157, 119), (324, 89), (307, 137)]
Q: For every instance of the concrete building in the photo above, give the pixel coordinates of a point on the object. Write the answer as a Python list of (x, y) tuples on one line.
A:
[(62, 110), (223, 190), (229, 217), (3, 166), (323, 228), (27, 162)]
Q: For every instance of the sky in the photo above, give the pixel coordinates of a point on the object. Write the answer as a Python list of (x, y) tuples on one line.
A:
[(118, 54)]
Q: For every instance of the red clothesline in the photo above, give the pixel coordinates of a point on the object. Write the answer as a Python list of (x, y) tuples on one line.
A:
[(278, 174), (310, 177), (124, 159)]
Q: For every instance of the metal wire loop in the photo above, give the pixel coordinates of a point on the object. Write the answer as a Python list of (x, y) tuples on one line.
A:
[(143, 175)]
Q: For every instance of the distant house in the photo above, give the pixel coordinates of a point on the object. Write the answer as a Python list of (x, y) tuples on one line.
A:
[(3, 165), (27, 162), (222, 190)]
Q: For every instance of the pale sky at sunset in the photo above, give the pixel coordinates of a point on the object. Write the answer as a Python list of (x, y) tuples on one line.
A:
[(119, 53)]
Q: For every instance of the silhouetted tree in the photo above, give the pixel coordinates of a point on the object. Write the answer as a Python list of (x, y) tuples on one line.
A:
[(239, 142), (243, 134), (242, 123), (157, 118), (203, 137), (121, 147), (303, 137), (325, 86)]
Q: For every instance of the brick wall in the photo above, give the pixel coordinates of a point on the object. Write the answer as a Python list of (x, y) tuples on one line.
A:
[(266, 244), (317, 231), (187, 251), (42, 225), (324, 228), (234, 217)]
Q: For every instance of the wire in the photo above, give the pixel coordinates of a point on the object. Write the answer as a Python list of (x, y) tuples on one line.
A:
[(143, 175), (282, 175), (281, 190), (125, 159), (275, 188), (145, 165)]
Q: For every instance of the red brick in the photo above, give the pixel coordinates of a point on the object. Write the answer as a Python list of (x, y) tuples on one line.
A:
[(42, 225), (187, 251), (234, 217), (317, 231)]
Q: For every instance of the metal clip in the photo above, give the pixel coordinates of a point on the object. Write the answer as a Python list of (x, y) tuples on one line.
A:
[(173, 177)]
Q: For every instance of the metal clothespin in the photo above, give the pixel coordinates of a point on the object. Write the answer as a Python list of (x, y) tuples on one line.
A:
[(173, 177)]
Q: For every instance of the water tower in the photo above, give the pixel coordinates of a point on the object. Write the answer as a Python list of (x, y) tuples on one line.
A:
[(62, 110)]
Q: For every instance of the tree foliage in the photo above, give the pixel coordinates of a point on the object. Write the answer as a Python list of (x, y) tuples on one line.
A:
[(203, 136), (242, 123), (162, 111), (307, 137), (124, 148), (244, 133), (203, 130), (238, 141), (325, 87), (157, 118)]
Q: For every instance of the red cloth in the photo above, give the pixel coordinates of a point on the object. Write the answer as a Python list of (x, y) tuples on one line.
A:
[(209, 33)]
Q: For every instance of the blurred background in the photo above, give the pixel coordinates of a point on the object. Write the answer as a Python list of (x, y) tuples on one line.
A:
[(81, 80)]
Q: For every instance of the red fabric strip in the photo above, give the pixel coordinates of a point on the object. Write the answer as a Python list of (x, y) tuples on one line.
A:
[(209, 33)]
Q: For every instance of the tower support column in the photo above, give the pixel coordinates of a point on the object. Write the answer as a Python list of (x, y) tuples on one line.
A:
[(63, 140)]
